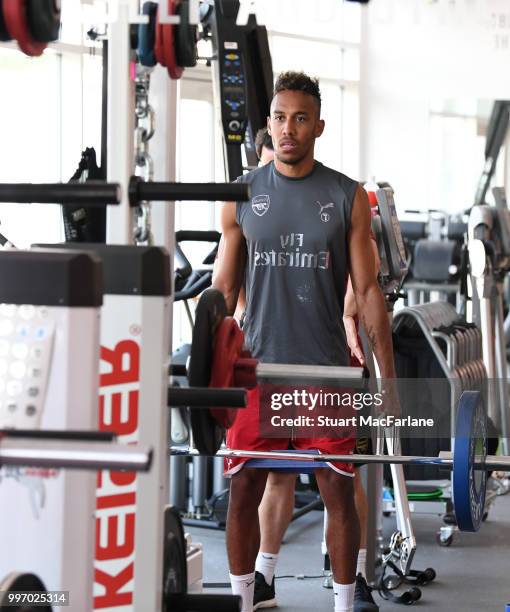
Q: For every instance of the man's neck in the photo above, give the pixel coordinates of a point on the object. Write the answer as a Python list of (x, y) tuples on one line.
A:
[(299, 170)]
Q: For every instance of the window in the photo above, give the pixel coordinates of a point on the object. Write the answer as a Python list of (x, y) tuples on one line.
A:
[(52, 110), (322, 39), (457, 137), (195, 163)]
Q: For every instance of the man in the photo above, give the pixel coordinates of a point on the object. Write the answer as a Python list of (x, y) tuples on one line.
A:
[(305, 229), (264, 147), (277, 505)]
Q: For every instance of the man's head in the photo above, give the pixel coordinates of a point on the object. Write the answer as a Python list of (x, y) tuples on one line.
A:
[(295, 121), (264, 146)]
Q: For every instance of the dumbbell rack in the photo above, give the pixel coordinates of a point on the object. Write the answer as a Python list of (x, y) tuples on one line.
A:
[(457, 346)]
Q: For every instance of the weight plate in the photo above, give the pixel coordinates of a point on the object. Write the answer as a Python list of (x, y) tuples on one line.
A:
[(158, 42), (210, 312), (469, 484), (147, 36), (15, 17), (4, 34), (185, 38), (174, 70), (175, 568), (43, 18), (228, 346), (16, 583)]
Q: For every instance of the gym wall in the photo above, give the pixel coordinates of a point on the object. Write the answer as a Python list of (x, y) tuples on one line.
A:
[(427, 70)]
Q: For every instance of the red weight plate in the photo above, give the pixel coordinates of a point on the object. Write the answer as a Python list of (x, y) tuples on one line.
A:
[(15, 17), (158, 42), (228, 346), (174, 70)]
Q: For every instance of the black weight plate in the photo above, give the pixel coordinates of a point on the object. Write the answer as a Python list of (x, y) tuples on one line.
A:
[(211, 310), (147, 36), (4, 34), (175, 568), (16, 583), (185, 38), (43, 18)]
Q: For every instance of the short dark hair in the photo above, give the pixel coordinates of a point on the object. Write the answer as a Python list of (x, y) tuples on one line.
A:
[(298, 81), (262, 139)]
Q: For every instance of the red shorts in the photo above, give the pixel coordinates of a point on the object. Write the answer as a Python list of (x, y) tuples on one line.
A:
[(245, 435)]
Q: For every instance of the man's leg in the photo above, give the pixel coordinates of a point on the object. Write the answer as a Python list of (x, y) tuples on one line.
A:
[(342, 534), (275, 510), (243, 531), (275, 514), (362, 509), (363, 599)]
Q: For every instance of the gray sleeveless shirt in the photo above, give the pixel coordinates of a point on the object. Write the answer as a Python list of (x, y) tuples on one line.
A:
[(296, 234)]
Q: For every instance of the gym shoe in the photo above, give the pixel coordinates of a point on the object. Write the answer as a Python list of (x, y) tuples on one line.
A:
[(264, 595), (363, 600)]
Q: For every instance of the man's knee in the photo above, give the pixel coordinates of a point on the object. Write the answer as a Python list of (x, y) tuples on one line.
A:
[(280, 482), (247, 488), (336, 489)]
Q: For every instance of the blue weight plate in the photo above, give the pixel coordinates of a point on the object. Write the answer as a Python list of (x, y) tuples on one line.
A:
[(147, 36), (469, 484)]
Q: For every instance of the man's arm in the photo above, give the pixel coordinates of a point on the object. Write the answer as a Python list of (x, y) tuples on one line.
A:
[(351, 309), (229, 267), (368, 295)]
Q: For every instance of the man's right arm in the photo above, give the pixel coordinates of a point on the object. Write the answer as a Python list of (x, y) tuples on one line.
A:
[(229, 269)]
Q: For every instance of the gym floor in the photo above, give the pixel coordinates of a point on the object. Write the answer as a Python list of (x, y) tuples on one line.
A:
[(473, 574)]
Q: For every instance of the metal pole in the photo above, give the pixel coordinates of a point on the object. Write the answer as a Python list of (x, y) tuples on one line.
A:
[(69, 454), (90, 193), (501, 368), (308, 374), (445, 460), (212, 192)]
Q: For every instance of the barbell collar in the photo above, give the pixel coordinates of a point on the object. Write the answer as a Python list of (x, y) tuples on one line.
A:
[(140, 191), (90, 193), (205, 397), (29, 452), (311, 374)]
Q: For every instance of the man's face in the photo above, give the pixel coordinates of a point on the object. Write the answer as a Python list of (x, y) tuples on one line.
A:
[(294, 125), (266, 156)]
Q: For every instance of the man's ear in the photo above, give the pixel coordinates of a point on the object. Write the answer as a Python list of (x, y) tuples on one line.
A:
[(319, 129), (269, 126)]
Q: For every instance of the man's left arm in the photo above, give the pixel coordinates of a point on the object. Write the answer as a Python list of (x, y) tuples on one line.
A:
[(369, 297)]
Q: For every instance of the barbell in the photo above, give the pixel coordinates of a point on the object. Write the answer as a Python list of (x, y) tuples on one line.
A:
[(469, 460), (218, 360)]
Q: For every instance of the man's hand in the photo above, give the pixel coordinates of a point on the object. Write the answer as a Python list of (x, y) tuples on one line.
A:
[(351, 333)]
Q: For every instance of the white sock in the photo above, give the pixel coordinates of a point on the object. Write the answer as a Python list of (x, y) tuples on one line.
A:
[(266, 564), (245, 587), (344, 597), (361, 568)]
